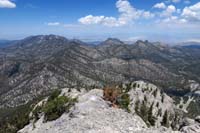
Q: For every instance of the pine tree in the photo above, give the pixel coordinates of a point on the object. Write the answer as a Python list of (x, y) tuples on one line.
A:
[(162, 100), (145, 98), (175, 121), (143, 111), (137, 107), (155, 92), (157, 105), (151, 118), (134, 85), (165, 121), (159, 112)]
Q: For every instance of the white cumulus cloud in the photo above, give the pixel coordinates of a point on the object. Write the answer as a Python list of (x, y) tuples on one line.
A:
[(148, 15), (7, 4), (169, 11), (127, 14), (160, 5), (108, 21), (192, 13)]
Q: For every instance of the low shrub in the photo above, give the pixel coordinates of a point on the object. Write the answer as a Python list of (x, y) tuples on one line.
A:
[(54, 107), (123, 101), (54, 95), (117, 97), (36, 112), (111, 94)]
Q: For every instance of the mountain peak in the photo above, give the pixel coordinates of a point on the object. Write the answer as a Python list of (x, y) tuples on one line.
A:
[(42, 39), (112, 41), (142, 43), (45, 37)]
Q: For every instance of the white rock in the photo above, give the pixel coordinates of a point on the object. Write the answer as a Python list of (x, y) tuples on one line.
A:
[(90, 115), (195, 128)]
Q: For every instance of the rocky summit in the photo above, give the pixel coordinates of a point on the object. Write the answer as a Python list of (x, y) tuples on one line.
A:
[(92, 113)]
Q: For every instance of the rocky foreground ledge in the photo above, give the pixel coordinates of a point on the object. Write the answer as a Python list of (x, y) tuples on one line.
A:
[(93, 114)]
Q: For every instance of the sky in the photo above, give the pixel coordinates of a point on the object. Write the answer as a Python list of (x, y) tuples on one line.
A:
[(93, 20)]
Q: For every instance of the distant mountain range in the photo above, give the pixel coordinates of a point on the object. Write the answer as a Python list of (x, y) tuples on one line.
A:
[(190, 44), (6, 43), (35, 65), (3, 43)]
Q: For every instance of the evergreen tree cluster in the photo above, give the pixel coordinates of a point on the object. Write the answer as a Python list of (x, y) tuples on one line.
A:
[(145, 112)]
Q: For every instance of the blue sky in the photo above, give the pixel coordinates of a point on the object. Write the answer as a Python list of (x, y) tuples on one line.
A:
[(155, 20)]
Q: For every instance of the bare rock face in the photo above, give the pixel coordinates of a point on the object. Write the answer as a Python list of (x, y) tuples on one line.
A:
[(191, 126), (194, 128), (150, 95), (197, 119), (91, 114)]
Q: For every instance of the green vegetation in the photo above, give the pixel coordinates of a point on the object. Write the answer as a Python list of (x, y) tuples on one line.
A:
[(151, 118), (128, 87), (14, 70), (163, 97), (118, 97), (159, 112), (193, 109), (138, 85), (180, 106), (155, 93), (55, 106), (54, 95), (185, 99), (157, 104), (134, 85), (145, 112), (36, 112), (176, 120), (176, 100), (145, 98), (123, 102), (165, 121), (14, 118), (137, 106)]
